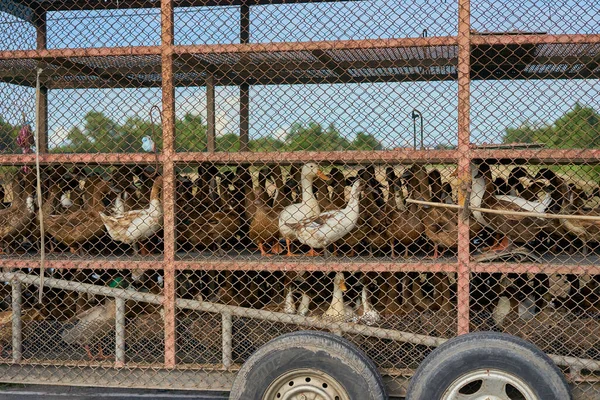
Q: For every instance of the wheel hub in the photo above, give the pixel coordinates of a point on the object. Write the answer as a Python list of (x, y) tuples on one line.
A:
[(489, 384), (305, 384)]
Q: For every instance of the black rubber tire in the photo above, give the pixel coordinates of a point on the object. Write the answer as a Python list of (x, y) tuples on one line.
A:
[(323, 351), (482, 350)]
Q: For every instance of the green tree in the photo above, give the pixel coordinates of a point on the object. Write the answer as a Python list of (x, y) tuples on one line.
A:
[(230, 142), (578, 128), (132, 132), (365, 141), (190, 133), (267, 143), (313, 138), (8, 137)]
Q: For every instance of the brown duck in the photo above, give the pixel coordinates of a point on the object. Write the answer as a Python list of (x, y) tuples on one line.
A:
[(77, 227)]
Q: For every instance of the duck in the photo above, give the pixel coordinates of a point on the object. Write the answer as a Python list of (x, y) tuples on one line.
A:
[(508, 307), (338, 193), (27, 315), (577, 196), (21, 212), (92, 325), (390, 298), (585, 230), (3, 203), (366, 313), (338, 310), (308, 208), (405, 226), (513, 228), (373, 208), (122, 185), (290, 303), (321, 191), (330, 226), (218, 223), (133, 226), (76, 227), (440, 224), (264, 224)]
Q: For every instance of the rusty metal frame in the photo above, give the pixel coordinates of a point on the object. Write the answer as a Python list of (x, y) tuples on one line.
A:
[(170, 53)]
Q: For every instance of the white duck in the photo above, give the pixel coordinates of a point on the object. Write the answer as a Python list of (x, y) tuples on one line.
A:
[(308, 208), (135, 225), (290, 304), (331, 226), (478, 191), (92, 325), (339, 311), (366, 313)]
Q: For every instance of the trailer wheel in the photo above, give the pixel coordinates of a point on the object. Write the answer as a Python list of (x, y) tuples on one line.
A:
[(488, 365), (308, 365)]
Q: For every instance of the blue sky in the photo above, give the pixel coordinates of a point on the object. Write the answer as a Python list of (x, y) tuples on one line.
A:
[(380, 109)]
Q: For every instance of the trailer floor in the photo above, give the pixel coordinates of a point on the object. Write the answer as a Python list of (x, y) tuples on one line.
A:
[(31, 392)]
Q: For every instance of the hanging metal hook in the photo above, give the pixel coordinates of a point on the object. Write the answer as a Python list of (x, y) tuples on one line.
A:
[(417, 114)]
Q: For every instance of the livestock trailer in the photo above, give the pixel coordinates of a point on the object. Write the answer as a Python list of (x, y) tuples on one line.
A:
[(302, 199)]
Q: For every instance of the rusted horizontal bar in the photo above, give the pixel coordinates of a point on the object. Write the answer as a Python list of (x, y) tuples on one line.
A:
[(319, 264), (524, 268), (91, 158), (283, 78), (325, 45), (323, 264), (406, 156), (97, 263), (59, 5), (534, 39), (206, 306), (103, 374), (539, 156), (50, 54)]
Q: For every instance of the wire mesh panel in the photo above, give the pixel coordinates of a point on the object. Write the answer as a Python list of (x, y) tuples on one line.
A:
[(191, 179)]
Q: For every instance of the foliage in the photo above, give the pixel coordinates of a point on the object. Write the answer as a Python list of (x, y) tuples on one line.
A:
[(578, 128), (101, 134), (8, 134)]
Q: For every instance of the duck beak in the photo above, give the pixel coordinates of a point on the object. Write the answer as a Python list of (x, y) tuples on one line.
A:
[(343, 286), (321, 175)]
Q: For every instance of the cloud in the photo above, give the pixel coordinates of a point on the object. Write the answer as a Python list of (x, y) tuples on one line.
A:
[(58, 137), (226, 109), (279, 134)]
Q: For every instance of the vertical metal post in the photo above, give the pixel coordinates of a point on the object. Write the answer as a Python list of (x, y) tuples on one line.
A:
[(168, 101), (120, 332), (17, 325), (210, 113), (464, 149), (244, 87), (226, 326), (42, 103)]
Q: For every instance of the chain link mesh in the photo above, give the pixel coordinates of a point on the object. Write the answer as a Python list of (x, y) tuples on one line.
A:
[(395, 172)]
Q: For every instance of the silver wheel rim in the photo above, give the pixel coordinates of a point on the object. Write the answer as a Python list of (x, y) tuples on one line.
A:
[(489, 384), (305, 384)]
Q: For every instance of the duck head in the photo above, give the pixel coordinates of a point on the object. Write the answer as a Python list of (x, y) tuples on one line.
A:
[(311, 171), (340, 281)]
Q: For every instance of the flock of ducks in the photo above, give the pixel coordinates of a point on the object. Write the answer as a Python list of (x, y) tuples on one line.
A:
[(310, 212)]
